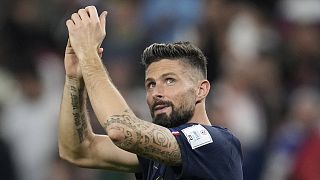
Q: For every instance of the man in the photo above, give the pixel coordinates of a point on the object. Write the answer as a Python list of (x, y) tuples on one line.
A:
[(180, 144)]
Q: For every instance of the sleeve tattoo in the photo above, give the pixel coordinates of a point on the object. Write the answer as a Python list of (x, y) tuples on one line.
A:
[(145, 139), (78, 113)]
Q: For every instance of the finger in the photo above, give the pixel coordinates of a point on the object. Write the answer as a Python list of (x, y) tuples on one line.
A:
[(68, 43), (92, 12), (102, 18), (83, 14), (70, 24), (76, 18)]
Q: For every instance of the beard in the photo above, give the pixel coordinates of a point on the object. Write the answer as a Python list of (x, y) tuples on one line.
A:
[(177, 117)]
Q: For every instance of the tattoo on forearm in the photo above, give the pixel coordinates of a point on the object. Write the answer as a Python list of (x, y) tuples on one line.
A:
[(77, 112), (155, 142)]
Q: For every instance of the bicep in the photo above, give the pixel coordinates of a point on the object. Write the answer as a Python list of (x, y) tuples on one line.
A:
[(104, 154)]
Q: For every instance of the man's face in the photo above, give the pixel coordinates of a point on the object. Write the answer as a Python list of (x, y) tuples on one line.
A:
[(171, 93)]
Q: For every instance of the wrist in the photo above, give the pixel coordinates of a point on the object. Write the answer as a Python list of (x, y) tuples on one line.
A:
[(89, 58)]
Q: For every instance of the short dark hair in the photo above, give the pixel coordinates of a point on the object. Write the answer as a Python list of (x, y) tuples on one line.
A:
[(184, 51)]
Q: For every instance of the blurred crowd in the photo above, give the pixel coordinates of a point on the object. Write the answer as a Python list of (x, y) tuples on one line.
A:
[(263, 65)]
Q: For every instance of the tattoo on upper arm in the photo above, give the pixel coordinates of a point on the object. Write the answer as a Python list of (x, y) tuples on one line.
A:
[(145, 139), (77, 112)]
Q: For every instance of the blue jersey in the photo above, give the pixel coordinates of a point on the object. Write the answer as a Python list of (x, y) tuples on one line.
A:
[(208, 152)]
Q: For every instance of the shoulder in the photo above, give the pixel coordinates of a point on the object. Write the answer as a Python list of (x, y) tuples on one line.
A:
[(193, 132), (208, 146), (203, 139), (223, 133), (197, 138)]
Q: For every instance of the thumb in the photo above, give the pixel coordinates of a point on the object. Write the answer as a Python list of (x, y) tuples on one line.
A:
[(68, 43), (103, 20), (69, 49)]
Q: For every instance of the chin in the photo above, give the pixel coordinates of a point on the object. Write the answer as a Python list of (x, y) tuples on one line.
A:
[(162, 119), (173, 118)]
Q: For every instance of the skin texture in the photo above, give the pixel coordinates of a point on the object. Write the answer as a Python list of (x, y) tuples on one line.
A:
[(78, 115), (128, 135), (77, 143), (144, 138), (170, 93)]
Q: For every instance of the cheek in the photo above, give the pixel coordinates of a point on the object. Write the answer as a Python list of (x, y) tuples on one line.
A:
[(149, 99), (186, 99)]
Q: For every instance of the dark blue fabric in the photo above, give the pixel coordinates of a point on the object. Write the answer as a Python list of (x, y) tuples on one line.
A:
[(219, 160)]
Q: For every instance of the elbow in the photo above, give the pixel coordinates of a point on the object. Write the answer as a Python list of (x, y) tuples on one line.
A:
[(69, 156), (81, 162), (61, 150), (65, 154), (65, 157), (119, 137)]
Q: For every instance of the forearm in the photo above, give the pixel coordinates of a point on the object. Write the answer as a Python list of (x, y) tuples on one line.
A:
[(126, 130), (78, 144), (74, 128), (104, 97)]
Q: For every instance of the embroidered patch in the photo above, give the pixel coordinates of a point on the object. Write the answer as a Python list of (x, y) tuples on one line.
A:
[(197, 136)]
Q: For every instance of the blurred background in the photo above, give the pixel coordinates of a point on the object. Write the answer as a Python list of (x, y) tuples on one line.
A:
[(263, 62)]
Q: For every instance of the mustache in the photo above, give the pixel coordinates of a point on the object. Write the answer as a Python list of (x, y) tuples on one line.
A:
[(161, 102)]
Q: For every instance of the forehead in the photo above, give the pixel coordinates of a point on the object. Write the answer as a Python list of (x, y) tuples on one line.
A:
[(165, 66)]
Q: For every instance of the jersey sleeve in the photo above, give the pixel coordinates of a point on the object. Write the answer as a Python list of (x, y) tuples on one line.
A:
[(208, 152)]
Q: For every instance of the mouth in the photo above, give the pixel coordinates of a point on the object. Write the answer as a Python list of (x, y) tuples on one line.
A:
[(161, 108)]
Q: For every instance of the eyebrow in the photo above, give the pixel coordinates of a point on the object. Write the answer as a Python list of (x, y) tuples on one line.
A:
[(162, 76)]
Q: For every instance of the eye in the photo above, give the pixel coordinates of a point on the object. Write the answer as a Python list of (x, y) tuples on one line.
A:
[(150, 85), (170, 81)]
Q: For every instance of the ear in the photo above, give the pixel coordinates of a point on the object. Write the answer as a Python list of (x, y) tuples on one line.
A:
[(203, 90)]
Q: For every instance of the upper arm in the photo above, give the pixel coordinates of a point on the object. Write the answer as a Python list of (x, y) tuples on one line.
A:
[(102, 153), (144, 138)]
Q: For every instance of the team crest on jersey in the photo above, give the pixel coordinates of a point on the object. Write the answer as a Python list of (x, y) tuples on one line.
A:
[(197, 136)]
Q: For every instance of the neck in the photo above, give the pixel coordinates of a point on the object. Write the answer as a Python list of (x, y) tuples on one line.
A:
[(200, 115)]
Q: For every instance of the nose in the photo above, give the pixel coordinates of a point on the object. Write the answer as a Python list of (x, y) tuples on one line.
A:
[(157, 92)]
